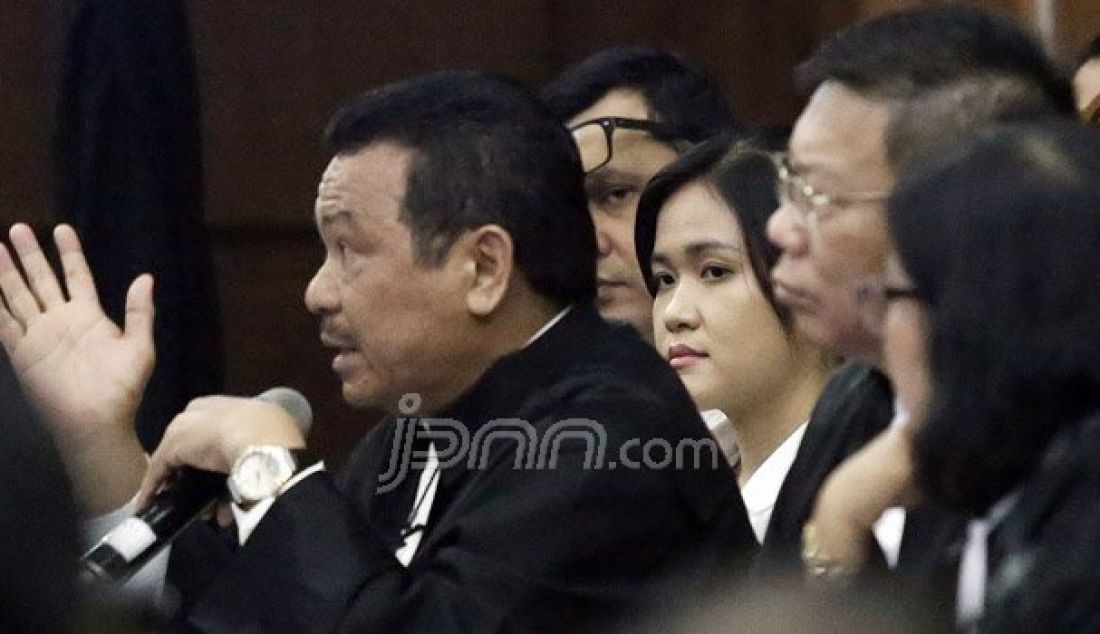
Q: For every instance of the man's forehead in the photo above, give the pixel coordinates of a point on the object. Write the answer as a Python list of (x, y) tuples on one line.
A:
[(332, 174), (638, 145), (633, 150), (371, 179), (377, 170), (839, 131), (628, 103)]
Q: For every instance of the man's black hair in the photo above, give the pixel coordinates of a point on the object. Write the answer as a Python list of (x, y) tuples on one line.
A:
[(939, 117), (677, 94), (900, 55), (487, 151), (945, 71)]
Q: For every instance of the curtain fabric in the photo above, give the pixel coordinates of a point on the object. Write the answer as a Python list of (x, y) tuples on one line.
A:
[(128, 155)]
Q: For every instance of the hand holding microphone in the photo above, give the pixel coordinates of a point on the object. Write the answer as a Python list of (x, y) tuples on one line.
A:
[(199, 447), (214, 431)]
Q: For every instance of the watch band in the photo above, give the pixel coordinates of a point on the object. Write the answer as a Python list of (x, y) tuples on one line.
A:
[(294, 461)]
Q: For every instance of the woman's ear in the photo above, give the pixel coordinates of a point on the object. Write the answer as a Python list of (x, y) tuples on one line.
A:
[(488, 268)]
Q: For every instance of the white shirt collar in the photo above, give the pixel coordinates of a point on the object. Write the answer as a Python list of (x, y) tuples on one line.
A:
[(714, 418), (762, 489), (901, 415), (548, 325), (974, 563), (722, 429)]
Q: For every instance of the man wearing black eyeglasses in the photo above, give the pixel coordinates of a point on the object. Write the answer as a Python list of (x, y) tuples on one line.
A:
[(631, 112)]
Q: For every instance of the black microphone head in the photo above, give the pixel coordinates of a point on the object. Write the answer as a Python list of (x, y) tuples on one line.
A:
[(294, 403)]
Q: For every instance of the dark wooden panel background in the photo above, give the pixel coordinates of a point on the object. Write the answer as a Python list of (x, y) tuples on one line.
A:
[(272, 72)]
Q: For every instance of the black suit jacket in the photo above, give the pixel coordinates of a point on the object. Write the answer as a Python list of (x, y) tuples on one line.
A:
[(855, 406), (564, 548)]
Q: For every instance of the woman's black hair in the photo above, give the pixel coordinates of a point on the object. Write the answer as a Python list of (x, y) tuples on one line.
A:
[(1001, 239), (744, 177)]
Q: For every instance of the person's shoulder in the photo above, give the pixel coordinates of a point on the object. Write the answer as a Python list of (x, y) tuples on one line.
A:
[(858, 399), (623, 377), (589, 371), (859, 382), (1050, 575), (620, 352), (854, 407)]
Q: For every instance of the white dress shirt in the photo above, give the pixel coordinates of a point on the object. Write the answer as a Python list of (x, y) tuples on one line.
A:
[(422, 506), (722, 429), (974, 564), (890, 526), (762, 488)]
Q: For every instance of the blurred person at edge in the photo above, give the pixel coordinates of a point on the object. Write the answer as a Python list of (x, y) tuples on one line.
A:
[(990, 284)]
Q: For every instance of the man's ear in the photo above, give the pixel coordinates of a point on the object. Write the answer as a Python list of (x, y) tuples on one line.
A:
[(488, 268)]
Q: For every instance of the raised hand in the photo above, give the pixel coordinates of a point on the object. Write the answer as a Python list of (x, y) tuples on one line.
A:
[(84, 374)]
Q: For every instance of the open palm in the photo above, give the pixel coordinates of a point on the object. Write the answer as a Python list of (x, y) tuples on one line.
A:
[(81, 371)]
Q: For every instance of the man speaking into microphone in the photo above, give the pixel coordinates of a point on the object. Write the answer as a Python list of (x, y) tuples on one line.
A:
[(457, 292)]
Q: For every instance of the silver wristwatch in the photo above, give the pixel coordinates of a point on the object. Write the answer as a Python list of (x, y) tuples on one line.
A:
[(260, 472)]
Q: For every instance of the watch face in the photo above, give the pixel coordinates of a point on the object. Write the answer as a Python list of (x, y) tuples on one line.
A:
[(259, 475)]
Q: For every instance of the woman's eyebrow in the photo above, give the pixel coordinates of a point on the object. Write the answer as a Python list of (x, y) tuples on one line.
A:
[(696, 249)]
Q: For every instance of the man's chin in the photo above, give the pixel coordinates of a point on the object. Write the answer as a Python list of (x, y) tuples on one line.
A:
[(850, 343), (358, 398), (618, 313), (815, 330)]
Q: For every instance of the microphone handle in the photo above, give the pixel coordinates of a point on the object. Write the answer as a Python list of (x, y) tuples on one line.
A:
[(128, 547)]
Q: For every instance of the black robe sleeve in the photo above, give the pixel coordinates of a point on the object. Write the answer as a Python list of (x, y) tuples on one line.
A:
[(559, 548)]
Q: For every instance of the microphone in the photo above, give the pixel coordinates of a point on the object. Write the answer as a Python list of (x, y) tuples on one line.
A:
[(131, 544)]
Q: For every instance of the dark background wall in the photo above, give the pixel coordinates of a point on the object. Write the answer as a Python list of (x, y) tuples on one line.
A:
[(272, 72)]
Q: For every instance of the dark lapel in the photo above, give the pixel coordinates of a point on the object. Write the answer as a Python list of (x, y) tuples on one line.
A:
[(506, 385), (855, 406)]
